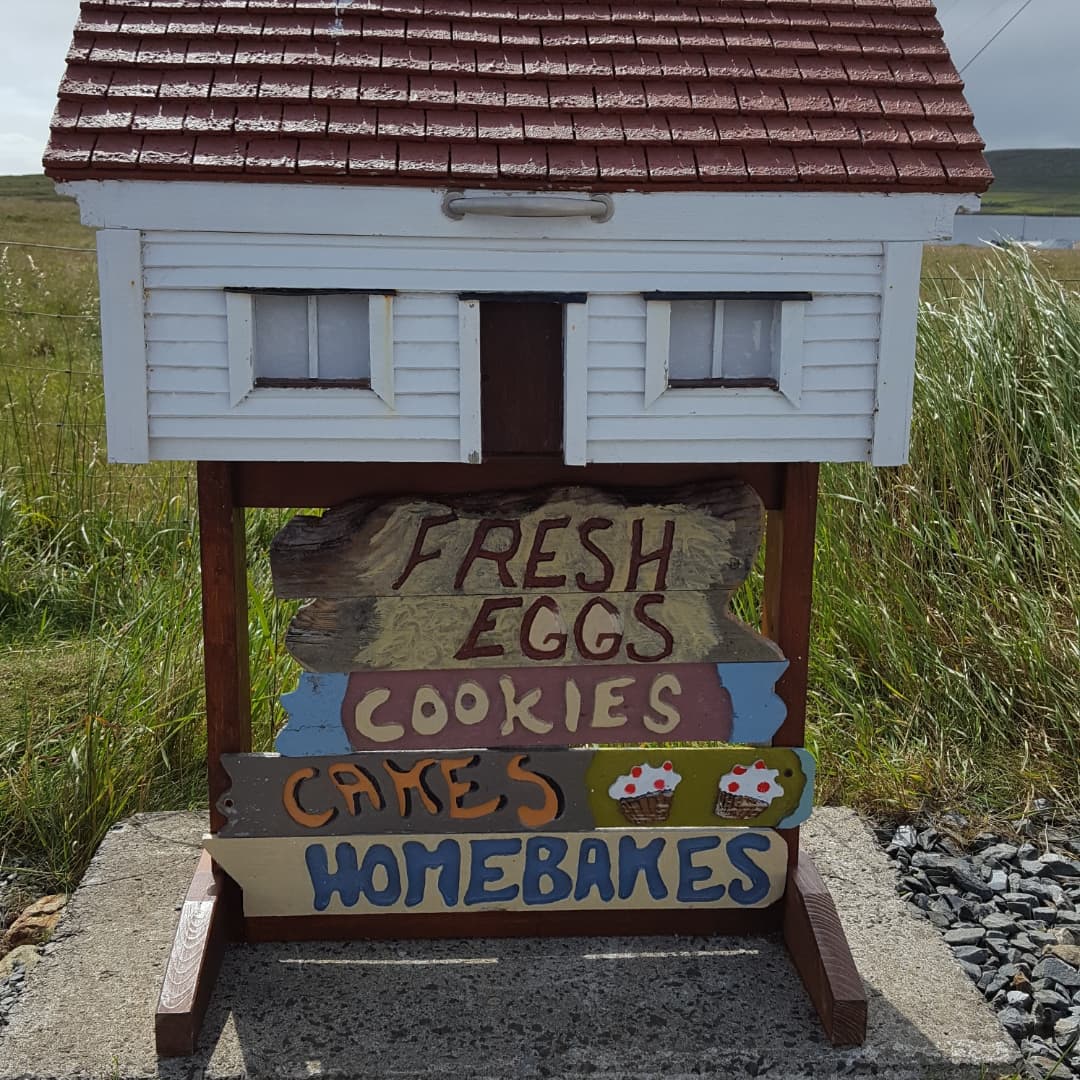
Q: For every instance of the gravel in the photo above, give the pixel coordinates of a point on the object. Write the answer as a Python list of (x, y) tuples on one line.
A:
[(1010, 912), (12, 892)]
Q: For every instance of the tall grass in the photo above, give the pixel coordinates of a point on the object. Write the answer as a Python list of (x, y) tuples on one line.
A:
[(946, 668), (945, 662)]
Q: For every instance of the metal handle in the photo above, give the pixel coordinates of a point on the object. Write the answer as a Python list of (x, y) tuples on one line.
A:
[(456, 204)]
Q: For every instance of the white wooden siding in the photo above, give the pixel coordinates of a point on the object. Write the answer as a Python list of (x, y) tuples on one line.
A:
[(191, 415), (834, 417), (185, 275)]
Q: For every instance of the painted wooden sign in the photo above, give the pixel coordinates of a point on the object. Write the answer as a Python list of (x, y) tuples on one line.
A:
[(495, 790), (568, 578), (337, 713), (613, 869)]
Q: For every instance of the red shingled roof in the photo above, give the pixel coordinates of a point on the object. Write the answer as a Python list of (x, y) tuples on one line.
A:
[(709, 94)]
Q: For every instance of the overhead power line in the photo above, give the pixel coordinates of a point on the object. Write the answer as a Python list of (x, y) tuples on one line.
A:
[(993, 37)]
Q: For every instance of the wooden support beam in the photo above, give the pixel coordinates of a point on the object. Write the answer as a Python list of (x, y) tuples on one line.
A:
[(696, 922), (225, 635), (815, 939), (789, 581), (201, 937), (299, 483)]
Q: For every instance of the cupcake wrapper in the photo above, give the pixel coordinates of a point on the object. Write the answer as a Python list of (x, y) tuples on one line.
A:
[(738, 806), (647, 809)]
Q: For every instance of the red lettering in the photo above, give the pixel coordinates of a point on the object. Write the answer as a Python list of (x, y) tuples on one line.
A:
[(535, 652), (607, 643), (661, 556), (418, 555), (643, 602), (499, 558), (484, 624), (537, 555), (585, 531)]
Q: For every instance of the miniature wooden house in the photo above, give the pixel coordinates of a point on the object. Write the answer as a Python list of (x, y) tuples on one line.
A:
[(440, 247)]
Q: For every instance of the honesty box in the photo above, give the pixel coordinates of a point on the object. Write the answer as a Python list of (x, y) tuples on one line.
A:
[(657, 868)]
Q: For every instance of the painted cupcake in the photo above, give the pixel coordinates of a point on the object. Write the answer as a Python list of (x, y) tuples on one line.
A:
[(644, 796), (747, 791)]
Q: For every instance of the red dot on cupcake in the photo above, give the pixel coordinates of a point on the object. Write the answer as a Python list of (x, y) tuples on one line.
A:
[(759, 764), (733, 786), (668, 766), (763, 788), (631, 788), (658, 784), (739, 770), (635, 771)]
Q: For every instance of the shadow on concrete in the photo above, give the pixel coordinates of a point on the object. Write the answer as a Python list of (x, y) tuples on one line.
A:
[(534, 1008)]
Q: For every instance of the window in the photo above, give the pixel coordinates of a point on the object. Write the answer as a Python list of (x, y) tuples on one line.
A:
[(289, 339), (723, 343), (733, 341)]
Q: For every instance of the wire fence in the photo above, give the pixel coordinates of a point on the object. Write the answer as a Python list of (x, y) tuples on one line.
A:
[(24, 313), (47, 247)]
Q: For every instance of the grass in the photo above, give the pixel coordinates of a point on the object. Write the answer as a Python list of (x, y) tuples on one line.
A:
[(945, 662)]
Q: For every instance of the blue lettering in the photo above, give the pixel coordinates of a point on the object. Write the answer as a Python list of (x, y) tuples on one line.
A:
[(737, 849), (418, 860), (634, 860), (346, 880), (690, 875), (542, 857), (380, 855), (594, 869), (480, 874)]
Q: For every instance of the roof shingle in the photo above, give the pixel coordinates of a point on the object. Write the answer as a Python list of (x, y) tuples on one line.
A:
[(712, 94)]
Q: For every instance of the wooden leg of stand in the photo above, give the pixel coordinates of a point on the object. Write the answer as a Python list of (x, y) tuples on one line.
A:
[(815, 939), (198, 947)]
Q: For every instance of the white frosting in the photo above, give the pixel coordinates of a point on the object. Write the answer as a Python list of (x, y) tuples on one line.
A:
[(645, 780), (753, 781)]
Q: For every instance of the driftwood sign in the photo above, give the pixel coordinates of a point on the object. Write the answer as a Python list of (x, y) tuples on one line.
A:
[(465, 658), (613, 869), (449, 710), (515, 790), (572, 577)]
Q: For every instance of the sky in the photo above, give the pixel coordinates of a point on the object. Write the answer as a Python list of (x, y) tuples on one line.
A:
[(1025, 87)]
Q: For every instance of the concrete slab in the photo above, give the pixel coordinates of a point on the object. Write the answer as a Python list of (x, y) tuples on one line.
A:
[(602, 1008)]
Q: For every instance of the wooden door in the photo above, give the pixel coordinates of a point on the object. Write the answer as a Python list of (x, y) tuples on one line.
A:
[(521, 378)]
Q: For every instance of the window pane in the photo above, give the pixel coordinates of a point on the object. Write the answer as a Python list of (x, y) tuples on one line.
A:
[(748, 339), (281, 337), (690, 355), (343, 337)]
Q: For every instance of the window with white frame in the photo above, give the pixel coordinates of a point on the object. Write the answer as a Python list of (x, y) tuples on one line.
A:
[(289, 339), (727, 341)]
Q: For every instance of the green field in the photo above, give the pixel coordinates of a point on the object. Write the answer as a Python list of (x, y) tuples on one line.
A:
[(1034, 182), (946, 666)]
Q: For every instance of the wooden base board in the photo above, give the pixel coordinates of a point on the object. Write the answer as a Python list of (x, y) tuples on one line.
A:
[(201, 937), (501, 924), (807, 917), (819, 950)]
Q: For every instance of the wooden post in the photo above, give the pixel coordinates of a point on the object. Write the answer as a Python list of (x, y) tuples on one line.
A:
[(225, 614), (789, 582), (819, 950), (812, 931), (211, 913), (192, 967)]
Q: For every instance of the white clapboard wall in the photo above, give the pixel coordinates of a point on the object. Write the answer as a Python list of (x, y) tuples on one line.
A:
[(167, 382), (834, 420)]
